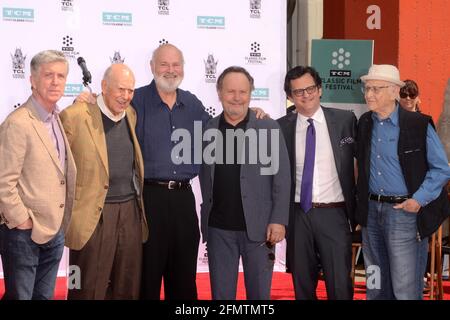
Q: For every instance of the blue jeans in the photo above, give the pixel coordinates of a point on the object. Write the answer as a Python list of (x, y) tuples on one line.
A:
[(395, 259), (30, 269)]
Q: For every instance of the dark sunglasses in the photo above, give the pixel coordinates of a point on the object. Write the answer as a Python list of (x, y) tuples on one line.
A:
[(404, 95)]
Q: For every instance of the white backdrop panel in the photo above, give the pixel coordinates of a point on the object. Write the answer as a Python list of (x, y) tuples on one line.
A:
[(227, 30)]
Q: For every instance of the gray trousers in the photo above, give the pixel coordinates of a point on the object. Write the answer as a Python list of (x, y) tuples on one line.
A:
[(224, 250)]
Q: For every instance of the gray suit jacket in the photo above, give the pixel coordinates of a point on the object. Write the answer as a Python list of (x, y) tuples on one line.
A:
[(265, 198)]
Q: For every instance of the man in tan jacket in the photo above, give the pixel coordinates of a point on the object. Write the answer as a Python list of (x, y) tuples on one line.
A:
[(37, 181), (108, 226)]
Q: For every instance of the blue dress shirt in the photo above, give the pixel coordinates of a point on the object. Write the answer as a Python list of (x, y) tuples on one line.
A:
[(154, 127), (386, 177)]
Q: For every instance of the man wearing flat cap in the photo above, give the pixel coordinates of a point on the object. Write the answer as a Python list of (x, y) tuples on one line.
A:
[(402, 169)]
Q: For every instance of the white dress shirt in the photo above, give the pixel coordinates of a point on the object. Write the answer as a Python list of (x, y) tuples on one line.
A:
[(107, 112), (326, 185)]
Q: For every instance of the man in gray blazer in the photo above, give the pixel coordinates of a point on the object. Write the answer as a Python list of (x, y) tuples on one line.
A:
[(245, 187), (321, 146)]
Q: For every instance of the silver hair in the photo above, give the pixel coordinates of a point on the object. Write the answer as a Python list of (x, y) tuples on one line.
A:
[(47, 56)]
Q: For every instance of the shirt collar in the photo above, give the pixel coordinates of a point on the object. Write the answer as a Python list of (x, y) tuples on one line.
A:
[(244, 121), (318, 117), (106, 111), (393, 117), (43, 114), (180, 97)]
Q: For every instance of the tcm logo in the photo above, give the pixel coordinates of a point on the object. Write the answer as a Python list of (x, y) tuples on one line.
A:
[(68, 48), (340, 59), (18, 14), (209, 22), (260, 94), (117, 19), (73, 89), (255, 56), (340, 73)]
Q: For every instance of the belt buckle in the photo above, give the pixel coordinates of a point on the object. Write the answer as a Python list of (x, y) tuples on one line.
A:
[(172, 184)]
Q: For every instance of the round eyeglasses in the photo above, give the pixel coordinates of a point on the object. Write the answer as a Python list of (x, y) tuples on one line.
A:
[(374, 89)]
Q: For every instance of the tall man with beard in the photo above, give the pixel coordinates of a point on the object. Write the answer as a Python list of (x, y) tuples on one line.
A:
[(171, 250)]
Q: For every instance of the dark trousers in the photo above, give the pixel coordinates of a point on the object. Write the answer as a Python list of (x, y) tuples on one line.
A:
[(225, 247), (321, 237), (30, 269), (110, 262), (172, 248)]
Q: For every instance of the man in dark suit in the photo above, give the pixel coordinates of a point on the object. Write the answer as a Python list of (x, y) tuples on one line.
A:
[(245, 199), (320, 143)]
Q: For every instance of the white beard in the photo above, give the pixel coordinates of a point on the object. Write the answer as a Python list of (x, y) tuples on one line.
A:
[(168, 85)]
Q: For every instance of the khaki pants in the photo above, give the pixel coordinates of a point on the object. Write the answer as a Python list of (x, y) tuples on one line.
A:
[(111, 261)]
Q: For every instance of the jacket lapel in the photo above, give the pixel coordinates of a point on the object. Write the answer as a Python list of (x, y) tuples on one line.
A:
[(131, 118), (290, 141), (213, 124), (43, 135), (95, 125), (335, 136)]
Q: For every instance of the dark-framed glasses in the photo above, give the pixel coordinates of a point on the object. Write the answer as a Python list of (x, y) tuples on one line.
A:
[(374, 89), (301, 92), (405, 95)]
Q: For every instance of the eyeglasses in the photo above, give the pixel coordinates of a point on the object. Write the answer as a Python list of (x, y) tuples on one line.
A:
[(375, 90), (301, 92), (405, 95)]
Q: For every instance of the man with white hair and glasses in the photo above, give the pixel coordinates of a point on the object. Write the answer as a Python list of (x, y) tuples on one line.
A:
[(402, 169)]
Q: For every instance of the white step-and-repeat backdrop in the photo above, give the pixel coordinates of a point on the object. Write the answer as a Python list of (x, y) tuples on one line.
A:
[(213, 34)]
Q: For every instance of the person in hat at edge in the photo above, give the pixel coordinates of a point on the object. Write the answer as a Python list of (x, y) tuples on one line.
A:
[(402, 169)]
